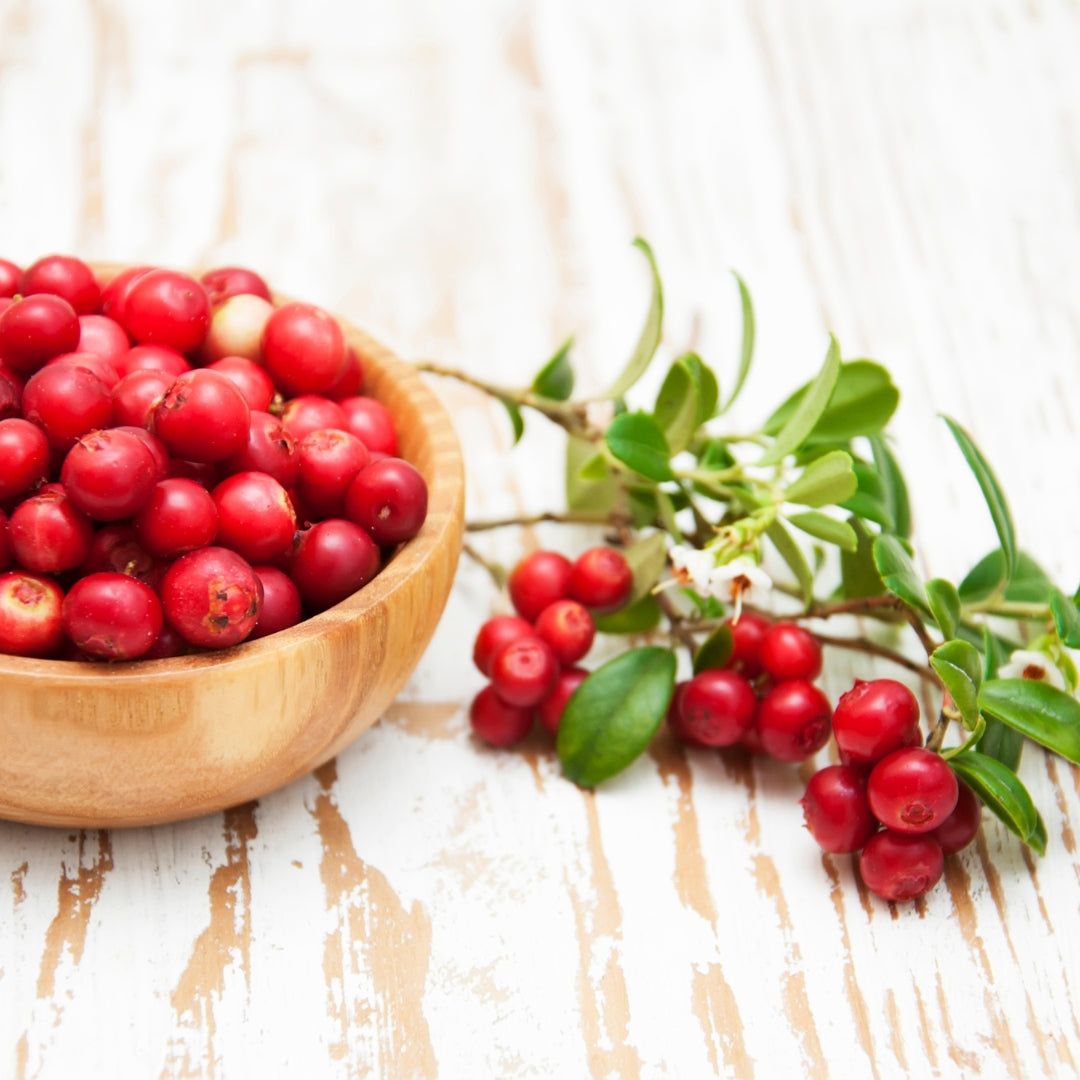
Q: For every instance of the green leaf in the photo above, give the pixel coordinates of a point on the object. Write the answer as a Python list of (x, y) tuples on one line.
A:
[(746, 353), (715, 650), (895, 488), (869, 500), (650, 332), (676, 409), (1037, 710), (1029, 583), (613, 715), (898, 571), (665, 507), (862, 402), (792, 554), (517, 421), (555, 379), (971, 742), (1066, 619), (959, 666), (944, 605), (808, 411), (636, 440), (995, 499), (827, 480), (590, 487), (716, 454), (636, 618), (858, 572), (708, 388), (1003, 793), (823, 527), (647, 558)]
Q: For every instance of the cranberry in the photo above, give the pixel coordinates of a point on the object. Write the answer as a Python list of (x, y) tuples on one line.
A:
[(9, 278), (202, 417), (236, 328), (538, 580), (303, 349), (493, 635), (109, 474), (251, 380), (255, 517), (167, 643), (6, 558), (836, 809), (30, 623), (66, 276), (102, 367), (389, 499), (787, 652), (351, 378), (568, 628), (715, 709), (601, 579), (912, 790), (211, 597), (47, 533), (10, 394), (793, 720), (204, 473), (135, 395), (959, 828), (114, 294), (281, 606), (899, 866), (24, 451), (874, 718), (329, 461), (112, 616), (496, 722), (116, 548), (179, 516), (34, 329), (332, 560), (225, 281), (746, 634), (269, 448), (550, 711), (165, 307), (66, 402), (152, 358), (311, 412), (372, 423), (102, 337), (525, 671)]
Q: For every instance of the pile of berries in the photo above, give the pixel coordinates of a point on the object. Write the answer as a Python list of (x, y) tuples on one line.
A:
[(183, 463), (532, 658)]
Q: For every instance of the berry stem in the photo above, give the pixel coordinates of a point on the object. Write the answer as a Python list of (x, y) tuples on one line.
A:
[(496, 572), (872, 648), (568, 518), (680, 627)]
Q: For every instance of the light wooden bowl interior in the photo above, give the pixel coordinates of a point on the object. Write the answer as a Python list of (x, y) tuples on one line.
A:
[(96, 745)]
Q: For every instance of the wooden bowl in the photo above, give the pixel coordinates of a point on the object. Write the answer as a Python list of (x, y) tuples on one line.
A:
[(96, 745)]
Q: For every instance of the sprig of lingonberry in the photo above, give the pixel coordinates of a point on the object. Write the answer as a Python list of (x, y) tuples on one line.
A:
[(697, 513)]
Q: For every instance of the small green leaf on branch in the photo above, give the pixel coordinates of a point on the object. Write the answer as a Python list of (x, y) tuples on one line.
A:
[(517, 421), (636, 440), (827, 480), (1066, 619), (639, 617), (715, 650), (746, 352), (823, 527), (1003, 794), (1037, 710), (647, 343), (944, 605), (898, 571), (555, 379), (792, 554), (959, 667), (892, 478)]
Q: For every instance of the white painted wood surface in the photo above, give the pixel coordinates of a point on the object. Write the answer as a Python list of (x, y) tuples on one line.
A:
[(464, 180)]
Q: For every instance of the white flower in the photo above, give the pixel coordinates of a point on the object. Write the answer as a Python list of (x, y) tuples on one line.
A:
[(1025, 664), (737, 580), (692, 567)]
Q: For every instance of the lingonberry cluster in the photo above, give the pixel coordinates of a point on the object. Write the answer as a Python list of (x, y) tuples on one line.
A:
[(184, 463), (898, 804), (532, 658)]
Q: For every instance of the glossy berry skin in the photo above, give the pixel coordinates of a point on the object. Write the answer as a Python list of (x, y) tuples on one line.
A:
[(135, 395), (389, 499), (211, 597), (351, 379), (787, 651), (715, 709), (250, 379), (312, 412), (550, 711), (236, 328), (538, 580), (493, 635), (47, 533), (115, 291), (30, 615), (303, 349), (372, 423), (202, 417), (109, 474), (269, 448), (746, 635), (24, 452), (178, 517), (166, 307), (9, 278), (152, 358), (912, 790), (6, 558), (568, 628), (116, 549), (960, 827), (496, 722), (225, 281), (281, 606), (66, 401), (102, 337), (332, 560), (793, 720), (255, 517), (899, 866), (601, 579), (874, 718), (836, 809), (112, 616), (329, 462), (524, 672), (64, 276), (35, 329)]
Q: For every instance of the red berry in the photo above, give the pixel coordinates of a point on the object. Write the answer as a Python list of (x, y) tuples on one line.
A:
[(114, 294), (178, 517), (152, 358), (269, 448), (550, 711), (250, 379), (116, 549), (496, 722), (281, 606), (836, 809), (351, 378), (538, 580), (102, 337), (135, 395), (874, 718), (787, 652), (716, 708), (372, 423), (24, 451), (601, 579), (329, 462), (66, 401), (65, 276), (899, 866), (103, 368), (202, 417), (112, 616), (211, 597), (30, 621), (236, 328), (959, 828), (568, 628), (389, 498), (34, 329), (312, 412), (524, 672), (303, 349), (47, 533), (793, 720), (109, 474), (332, 560), (746, 635), (912, 790), (9, 278), (225, 281), (165, 307), (255, 517), (493, 635)]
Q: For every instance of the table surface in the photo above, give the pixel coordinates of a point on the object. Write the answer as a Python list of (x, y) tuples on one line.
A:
[(465, 181)]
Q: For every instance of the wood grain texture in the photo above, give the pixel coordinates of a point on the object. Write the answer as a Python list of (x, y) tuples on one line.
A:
[(465, 181)]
